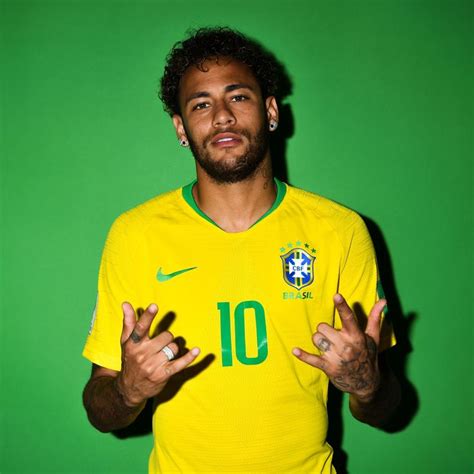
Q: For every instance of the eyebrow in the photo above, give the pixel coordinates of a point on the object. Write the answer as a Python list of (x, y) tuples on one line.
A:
[(229, 88), (233, 87)]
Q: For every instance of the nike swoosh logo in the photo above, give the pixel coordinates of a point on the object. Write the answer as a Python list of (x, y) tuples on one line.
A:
[(160, 276)]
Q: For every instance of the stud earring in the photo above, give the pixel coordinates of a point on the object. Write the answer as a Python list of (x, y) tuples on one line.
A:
[(183, 142), (273, 125)]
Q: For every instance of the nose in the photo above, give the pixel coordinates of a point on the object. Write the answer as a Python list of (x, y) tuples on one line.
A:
[(223, 115)]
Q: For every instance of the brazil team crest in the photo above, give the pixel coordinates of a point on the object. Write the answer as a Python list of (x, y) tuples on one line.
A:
[(298, 267)]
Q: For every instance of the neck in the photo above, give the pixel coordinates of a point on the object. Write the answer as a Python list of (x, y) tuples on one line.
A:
[(237, 206)]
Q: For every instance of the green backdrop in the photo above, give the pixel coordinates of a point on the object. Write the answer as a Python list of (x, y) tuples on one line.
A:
[(382, 109)]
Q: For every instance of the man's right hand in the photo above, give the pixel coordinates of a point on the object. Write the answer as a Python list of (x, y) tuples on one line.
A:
[(145, 367)]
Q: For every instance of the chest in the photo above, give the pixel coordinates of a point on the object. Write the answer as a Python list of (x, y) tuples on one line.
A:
[(244, 298)]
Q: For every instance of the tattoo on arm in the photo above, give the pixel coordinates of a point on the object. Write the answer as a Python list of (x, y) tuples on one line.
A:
[(105, 406), (380, 409)]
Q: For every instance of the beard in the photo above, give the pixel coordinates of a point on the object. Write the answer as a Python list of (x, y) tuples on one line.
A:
[(236, 168)]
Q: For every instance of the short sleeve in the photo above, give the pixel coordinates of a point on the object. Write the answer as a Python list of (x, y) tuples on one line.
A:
[(114, 287), (359, 278)]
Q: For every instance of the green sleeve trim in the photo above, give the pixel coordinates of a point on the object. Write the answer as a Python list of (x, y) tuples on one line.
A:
[(189, 198), (380, 292)]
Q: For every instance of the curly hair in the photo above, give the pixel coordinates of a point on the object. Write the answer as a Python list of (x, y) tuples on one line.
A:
[(207, 43)]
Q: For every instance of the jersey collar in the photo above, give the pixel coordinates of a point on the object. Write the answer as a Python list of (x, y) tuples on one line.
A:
[(189, 198)]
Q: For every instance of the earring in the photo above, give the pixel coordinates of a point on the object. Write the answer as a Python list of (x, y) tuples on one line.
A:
[(273, 125), (183, 142)]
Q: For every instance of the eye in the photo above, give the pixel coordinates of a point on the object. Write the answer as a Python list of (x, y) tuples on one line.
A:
[(239, 98), (200, 106)]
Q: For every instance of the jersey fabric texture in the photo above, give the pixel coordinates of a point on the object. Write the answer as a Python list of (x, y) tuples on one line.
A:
[(246, 299)]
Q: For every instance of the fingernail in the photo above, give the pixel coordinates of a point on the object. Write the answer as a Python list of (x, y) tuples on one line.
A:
[(195, 351), (152, 308), (296, 352), (337, 298)]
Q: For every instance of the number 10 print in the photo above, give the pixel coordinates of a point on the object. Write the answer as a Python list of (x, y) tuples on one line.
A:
[(239, 332)]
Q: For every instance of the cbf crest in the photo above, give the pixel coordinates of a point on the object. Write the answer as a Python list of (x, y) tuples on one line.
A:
[(298, 265)]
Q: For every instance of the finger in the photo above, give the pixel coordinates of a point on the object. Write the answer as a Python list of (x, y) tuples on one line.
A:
[(163, 339), (373, 322), (169, 352), (129, 321), (143, 324), (322, 342), (349, 322), (179, 364), (311, 359), (329, 332)]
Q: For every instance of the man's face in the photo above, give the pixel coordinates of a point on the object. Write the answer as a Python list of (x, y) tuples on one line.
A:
[(225, 119)]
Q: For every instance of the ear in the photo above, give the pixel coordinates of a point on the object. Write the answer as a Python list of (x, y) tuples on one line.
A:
[(179, 127), (271, 109)]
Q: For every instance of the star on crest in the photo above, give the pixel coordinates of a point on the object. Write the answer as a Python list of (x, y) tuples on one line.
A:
[(298, 243)]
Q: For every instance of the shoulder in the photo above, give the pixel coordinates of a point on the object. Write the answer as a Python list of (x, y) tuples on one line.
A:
[(331, 221), (135, 221), (155, 208), (333, 214)]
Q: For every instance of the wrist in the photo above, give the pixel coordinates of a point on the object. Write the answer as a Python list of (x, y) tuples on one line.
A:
[(368, 396), (377, 409), (364, 399), (129, 401)]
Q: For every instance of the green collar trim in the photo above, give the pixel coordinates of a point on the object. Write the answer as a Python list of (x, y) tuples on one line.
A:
[(189, 198)]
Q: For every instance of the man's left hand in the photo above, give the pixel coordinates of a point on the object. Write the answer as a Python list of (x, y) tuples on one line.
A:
[(349, 356)]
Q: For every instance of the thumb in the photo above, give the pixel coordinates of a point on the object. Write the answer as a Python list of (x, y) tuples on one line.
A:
[(373, 321), (129, 321)]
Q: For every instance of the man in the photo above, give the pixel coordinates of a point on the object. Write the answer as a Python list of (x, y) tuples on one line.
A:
[(251, 272)]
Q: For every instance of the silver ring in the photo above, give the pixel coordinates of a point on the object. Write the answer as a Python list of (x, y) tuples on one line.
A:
[(168, 352)]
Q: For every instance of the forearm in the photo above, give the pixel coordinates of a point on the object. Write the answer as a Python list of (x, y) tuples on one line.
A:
[(105, 405), (381, 406)]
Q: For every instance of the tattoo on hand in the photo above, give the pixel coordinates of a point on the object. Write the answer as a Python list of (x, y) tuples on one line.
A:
[(371, 347), (324, 345), (135, 337), (358, 374)]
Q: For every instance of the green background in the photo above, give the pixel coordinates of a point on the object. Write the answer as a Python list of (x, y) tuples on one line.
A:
[(382, 108)]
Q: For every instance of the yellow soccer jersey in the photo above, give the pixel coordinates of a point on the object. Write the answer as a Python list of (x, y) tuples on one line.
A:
[(246, 299)]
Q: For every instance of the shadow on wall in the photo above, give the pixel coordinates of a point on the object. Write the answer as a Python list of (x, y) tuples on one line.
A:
[(279, 140), (396, 357)]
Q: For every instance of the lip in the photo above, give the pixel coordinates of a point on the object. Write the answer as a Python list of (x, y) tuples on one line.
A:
[(225, 140)]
